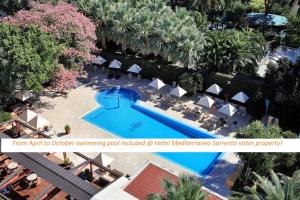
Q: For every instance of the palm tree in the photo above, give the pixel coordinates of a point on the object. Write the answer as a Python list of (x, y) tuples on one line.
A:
[(287, 188), (188, 187), (102, 12)]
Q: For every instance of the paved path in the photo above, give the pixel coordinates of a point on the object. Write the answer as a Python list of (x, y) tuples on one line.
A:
[(63, 110)]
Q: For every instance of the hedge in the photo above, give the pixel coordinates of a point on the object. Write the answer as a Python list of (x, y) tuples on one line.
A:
[(168, 73), (234, 84), (151, 68)]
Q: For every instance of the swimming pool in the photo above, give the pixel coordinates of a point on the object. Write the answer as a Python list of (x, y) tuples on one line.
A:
[(122, 113)]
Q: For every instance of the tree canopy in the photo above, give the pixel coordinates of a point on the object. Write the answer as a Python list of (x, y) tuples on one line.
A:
[(188, 187), (153, 28), (285, 78), (66, 24), (262, 163), (28, 57)]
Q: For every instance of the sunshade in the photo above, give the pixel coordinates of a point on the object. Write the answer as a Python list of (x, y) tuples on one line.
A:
[(178, 91), (23, 95), (206, 101), (115, 64), (135, 69), (228, 110), (27, 115), (156, 83), (100, 60), (240, 97), (214, 89), (38, 122)]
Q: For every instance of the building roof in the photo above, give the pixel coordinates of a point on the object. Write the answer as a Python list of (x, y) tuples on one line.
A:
[(148, 181)]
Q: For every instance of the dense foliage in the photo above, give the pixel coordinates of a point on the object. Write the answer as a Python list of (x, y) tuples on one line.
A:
[(153, 28), (4, 116), (262, 163), (187, 187), (285, 79), (192, 82), (11, 6), (277, 188), (27, 57), (64, 79), (66, 24), (233, 51), (292, 38)]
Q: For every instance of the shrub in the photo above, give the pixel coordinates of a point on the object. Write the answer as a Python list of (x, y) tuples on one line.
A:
[(234, 84), (4, 116), (256, 105), (191, 82), (64, 79), (150, 68)]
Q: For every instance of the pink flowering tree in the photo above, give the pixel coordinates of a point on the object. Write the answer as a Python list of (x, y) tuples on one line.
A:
[(64, 79), (70, 27)]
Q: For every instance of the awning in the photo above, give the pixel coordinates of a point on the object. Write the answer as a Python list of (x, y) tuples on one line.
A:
[(228, 110), (56, 175), (115, 64), (135, 69), (214, 89), (240, 97), (178, 92), (27, 115), (100, 60), (23, 95), (206, 101), (157, 84), (38, 122)]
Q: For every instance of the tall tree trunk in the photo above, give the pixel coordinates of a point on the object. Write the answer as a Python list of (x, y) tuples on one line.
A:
[(103, 40), (124, 47)]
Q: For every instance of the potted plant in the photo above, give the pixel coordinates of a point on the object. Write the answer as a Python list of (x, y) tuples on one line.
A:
[(67, 129), (68, 163)]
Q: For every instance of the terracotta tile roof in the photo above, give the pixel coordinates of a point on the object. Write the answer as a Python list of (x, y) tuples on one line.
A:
[(149, 181)]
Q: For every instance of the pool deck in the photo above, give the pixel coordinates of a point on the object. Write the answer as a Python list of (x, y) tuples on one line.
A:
[(62, 110)]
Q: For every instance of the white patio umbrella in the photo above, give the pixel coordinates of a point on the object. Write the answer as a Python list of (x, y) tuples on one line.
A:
[(240, 97), (23, 95), (115, 64), (214, 89), (228, 110), (135, 69), (206, 101), (27, 115), (157, 84), (38, 122), (100, 60), (178, 91)]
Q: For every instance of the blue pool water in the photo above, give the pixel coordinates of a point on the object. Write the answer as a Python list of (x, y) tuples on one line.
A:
[(122, 114)]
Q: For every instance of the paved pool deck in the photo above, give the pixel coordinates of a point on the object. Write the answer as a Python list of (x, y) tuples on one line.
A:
[(62, 110)]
